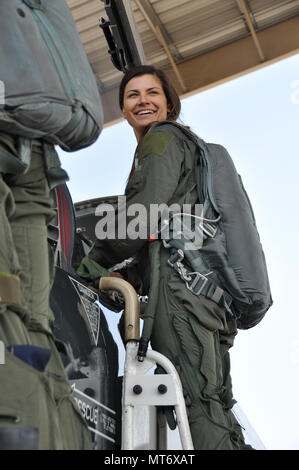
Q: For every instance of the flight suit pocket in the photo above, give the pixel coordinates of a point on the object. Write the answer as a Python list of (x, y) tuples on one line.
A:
[(19, 404), (41, 400)]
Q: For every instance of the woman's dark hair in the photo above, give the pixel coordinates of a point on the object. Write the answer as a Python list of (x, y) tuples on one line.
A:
[(173, 100)]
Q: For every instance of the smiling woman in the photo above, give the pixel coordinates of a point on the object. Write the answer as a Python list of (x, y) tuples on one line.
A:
[(144, 103), (145, 97), (192, 328)]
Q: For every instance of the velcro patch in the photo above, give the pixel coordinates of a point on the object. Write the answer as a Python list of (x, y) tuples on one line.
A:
[(156, 143), (10, 290)]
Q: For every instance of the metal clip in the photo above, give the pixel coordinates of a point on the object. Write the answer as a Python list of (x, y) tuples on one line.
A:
[(198, 277), (183, 272), (180, 254)]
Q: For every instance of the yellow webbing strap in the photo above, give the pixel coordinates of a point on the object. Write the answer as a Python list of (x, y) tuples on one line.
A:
[(10, 289)]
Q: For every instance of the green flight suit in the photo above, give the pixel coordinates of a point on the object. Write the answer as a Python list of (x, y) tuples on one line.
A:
[(192, 331), (37, 407)]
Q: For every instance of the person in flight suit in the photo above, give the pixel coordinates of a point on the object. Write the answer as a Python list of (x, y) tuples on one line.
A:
[(37, 407), (193, 331)]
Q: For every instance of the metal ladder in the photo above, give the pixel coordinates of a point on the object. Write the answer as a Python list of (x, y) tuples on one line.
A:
[(144, 393)]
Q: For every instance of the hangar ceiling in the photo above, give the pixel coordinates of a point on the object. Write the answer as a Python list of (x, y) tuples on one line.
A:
[(201, 43)]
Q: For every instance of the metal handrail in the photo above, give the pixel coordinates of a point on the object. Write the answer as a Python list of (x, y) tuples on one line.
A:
[(132, 329)]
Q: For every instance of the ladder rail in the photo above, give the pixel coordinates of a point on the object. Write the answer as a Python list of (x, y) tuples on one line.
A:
[(180, 407), (135, 375), (127, 434)]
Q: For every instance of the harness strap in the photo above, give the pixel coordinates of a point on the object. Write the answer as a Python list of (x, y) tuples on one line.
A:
[(197, 280), (151, 307), (10, 290), (200, 284)]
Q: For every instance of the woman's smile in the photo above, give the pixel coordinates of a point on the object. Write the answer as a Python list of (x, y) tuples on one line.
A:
[(144, 103)]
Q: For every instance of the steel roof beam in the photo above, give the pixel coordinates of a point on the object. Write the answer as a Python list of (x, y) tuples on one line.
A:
[(243, 7), (157, 28), (155, 20)]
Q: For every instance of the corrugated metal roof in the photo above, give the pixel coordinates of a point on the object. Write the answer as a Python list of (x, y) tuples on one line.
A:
[(192, 28), (196, 26)]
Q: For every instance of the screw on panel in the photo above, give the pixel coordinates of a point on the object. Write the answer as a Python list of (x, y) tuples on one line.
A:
[(137, 389), (162, 388)]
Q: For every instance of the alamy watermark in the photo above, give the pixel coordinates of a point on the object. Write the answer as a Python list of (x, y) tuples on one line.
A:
[(2, 353), (155, 221), (295, 93), (2, 92)]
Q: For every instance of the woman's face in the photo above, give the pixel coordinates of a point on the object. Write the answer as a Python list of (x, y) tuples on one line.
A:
[(144, 103)]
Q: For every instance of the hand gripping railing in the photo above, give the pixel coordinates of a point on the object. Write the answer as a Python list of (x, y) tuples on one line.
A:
[(140, 388)]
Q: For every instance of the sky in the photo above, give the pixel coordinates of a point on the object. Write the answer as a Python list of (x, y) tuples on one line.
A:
[(256, 117)]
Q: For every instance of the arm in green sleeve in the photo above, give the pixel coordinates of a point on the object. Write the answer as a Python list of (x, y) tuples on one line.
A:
[(154, 181), (90, 270)]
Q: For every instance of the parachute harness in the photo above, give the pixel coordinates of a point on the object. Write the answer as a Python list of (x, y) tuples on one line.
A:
[(196, 282), (182, 248)]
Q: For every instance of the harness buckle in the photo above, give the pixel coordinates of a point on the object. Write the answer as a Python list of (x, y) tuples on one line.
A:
[(198, 278), (179, 256)]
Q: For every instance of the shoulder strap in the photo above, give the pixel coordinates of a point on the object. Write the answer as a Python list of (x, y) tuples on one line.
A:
[(203, 169), (198, 281)]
